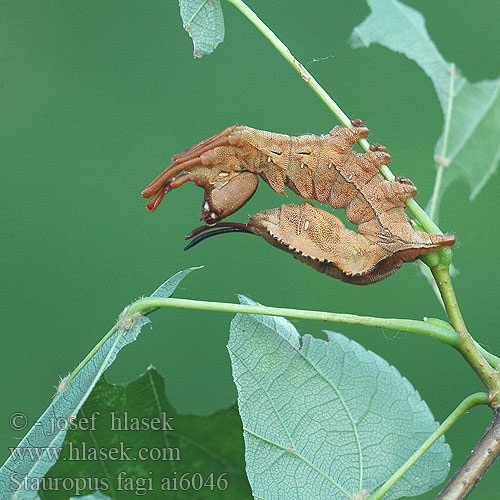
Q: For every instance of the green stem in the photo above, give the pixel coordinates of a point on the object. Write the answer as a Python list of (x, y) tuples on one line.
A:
[(297, 66), (196, 12), (91, 354), (467, 347), (493, 360), (431, 330), (443, 280), (425, 270), (428, 329), (480, 398), (149, 304), (441, 162), (426, 222), (445, 335)]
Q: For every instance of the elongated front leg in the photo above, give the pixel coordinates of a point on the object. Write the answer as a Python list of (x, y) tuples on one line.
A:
[(215, 164), (181, 161)]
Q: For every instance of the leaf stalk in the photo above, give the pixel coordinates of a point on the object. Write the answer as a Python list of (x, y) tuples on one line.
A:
[(479, 398), (441, 162), (437, 332)]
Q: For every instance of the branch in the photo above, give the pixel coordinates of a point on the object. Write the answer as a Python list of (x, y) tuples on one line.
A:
[(481, 458), (467, 347), (436, 332)]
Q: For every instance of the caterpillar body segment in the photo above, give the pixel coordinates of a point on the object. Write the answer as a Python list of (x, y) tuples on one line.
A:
[(315, 167), (321, 240)]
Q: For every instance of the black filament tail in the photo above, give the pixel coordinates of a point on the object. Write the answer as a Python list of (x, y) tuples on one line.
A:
[(215, 232)]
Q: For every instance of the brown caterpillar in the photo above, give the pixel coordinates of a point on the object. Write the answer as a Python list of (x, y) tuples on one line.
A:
[(323, 168)]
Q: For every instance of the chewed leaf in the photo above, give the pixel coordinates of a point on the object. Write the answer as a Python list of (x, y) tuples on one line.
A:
[(474, 139), (473, 150), (22, 469), (204, 21), (138, 416), (327, 420), (402, 29)]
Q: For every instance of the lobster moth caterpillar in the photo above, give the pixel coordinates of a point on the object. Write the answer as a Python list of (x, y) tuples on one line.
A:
[(324, 168)]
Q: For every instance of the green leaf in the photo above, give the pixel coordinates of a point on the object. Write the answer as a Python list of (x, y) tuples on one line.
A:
[(473, 144), (199, 448), (204, 21), (474, 141), (402, 29), (326, 420), (36, 453), (168, 288)]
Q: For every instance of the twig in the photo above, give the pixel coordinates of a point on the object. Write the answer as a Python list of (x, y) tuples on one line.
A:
[(480, 459), (467, 347), (473, 400)]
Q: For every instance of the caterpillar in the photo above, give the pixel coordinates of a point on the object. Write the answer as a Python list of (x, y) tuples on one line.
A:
[(323, 168)]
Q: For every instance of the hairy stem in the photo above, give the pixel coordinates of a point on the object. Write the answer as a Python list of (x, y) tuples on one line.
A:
[(480, 459), (90, 355), (480, 398), (467, 347), (427, 223)]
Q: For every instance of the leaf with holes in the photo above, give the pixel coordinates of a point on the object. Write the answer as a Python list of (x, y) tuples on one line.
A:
[(326, 420)]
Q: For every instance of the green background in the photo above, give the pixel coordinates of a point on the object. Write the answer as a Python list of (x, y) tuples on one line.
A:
[(97, 96)]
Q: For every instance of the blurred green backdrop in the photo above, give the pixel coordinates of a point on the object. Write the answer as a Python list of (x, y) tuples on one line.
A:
[(97, 96)]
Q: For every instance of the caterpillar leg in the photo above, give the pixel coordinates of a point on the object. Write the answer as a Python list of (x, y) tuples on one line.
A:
[(215, 164)]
